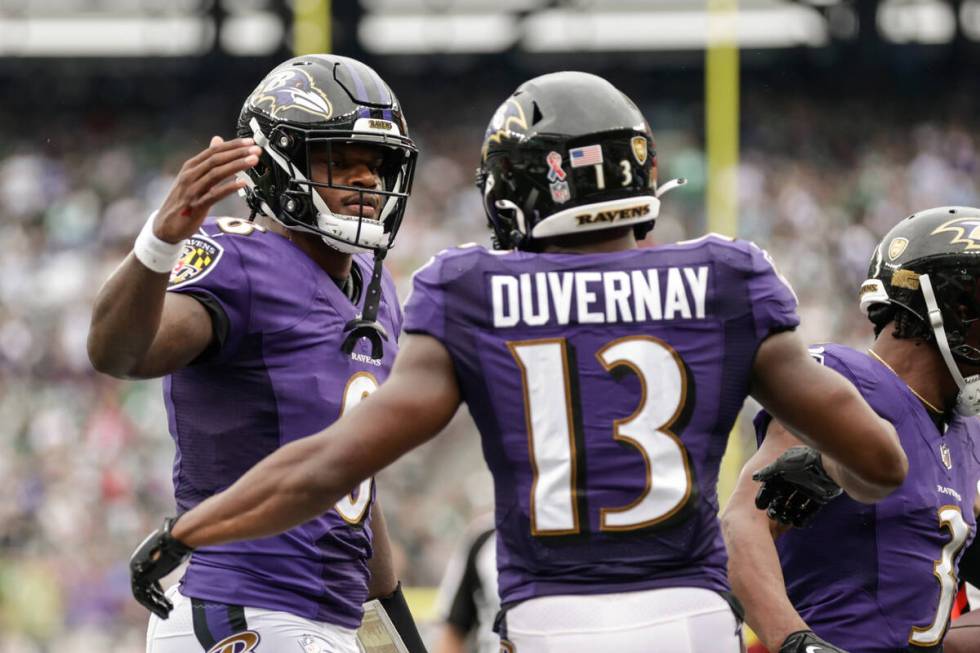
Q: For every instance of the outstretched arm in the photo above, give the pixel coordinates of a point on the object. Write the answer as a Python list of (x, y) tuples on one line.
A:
[(826, 412), (306, 477)]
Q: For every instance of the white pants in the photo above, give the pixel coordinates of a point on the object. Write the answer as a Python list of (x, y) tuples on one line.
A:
[(216, 632), (673, 620)]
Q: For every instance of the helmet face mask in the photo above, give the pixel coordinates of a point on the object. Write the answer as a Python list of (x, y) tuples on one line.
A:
[(567, 153), (928, 267), (961, 316), (302, 114)]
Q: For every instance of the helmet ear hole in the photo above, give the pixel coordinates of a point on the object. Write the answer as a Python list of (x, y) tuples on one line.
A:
[(536, 115)]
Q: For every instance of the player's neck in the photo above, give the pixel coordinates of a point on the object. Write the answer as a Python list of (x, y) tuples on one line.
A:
[(336, 264), (920, 366), (592, 242)]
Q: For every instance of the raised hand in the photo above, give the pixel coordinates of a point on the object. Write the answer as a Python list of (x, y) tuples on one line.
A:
[(203, 180)]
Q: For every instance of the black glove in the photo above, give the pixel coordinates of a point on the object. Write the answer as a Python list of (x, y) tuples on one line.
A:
[(157, 556), (794, 487), (805, 641)]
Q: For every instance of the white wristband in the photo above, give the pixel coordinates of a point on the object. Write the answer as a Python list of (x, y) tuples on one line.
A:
[(158, 255)]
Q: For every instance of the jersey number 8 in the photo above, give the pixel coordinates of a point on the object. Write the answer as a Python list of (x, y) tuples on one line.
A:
[(353, 507)]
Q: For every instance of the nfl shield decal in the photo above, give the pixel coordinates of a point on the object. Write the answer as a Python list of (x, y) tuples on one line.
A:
[(200, 256), (314, 644), (556, 175), (560, 192), (946, 456)]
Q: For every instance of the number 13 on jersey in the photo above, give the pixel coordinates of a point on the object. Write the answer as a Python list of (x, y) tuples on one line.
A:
[(549, 411)]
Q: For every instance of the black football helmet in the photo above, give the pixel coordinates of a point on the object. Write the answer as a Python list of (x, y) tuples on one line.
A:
[(567, 153), (313, 102), (929, 266)]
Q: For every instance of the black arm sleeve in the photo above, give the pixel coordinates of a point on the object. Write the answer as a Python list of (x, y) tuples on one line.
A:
[(401, 617)]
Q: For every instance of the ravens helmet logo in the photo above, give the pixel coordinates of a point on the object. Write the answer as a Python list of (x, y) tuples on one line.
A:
[(966, 232), (509, 119), (291, 89)]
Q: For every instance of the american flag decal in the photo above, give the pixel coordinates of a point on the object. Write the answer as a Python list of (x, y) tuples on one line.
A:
[(589, 155)]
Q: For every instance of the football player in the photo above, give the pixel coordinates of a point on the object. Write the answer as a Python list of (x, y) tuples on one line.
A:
[(257, 327), (876, 578), (604, 380)]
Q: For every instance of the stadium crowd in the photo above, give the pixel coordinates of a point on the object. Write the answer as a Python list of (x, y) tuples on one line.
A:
[(85, 469)]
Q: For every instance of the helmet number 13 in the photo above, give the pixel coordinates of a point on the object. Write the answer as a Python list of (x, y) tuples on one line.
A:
[(555, 463)]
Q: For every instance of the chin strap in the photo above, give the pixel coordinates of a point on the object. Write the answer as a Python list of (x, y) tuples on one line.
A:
[(367, 325), (669, 186), (968, 399)]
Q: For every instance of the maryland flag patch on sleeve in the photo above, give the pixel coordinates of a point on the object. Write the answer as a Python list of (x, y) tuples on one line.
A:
[(199, 257)]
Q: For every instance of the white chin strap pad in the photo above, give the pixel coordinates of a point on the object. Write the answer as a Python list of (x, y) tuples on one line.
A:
[(968, 399), (348, 233)]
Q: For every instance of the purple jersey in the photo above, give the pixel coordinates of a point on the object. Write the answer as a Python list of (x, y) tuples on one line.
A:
[(277, 374), (604, 387), (876, 578)]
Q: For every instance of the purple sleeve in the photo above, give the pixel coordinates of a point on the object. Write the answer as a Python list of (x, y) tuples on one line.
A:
[(212, 269), (424, 308), (773, 300)]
